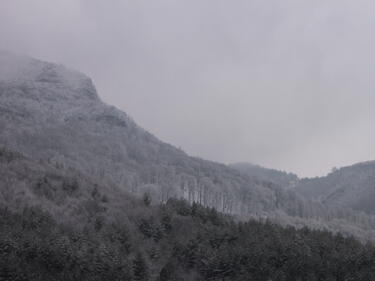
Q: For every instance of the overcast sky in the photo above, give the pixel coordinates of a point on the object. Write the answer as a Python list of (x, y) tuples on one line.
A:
[(281, 83)]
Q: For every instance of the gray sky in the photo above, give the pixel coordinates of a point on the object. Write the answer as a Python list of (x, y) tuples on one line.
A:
[(281, 83)]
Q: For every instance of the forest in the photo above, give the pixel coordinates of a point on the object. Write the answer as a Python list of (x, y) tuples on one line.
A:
[(172, 241)]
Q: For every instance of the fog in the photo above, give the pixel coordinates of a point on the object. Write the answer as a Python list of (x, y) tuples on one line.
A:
[(284, 84)]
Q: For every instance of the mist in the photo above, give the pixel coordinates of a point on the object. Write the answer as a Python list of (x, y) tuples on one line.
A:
[(283, 84)]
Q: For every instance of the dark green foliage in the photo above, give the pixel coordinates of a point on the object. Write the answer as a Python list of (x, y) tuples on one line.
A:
[(140, 270), (146, 199), (169, 272), (171, 242), (34, 247), (70, 186), (8, 155), (43, 188), (166, 222), (95, 194), (182, 207)]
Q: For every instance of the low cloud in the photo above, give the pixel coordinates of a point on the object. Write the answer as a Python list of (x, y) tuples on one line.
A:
[(285, 84)]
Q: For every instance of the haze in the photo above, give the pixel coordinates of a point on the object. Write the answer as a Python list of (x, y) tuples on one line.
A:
[(284, 84)]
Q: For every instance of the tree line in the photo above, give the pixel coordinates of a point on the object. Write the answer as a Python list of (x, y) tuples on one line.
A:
[(172, 241)]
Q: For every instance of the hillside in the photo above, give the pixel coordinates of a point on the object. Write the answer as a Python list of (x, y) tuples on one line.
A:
[(347, 187), (51, 113), (86, 194), (53, 116), (58, 225), (282, 179), (352, 186)]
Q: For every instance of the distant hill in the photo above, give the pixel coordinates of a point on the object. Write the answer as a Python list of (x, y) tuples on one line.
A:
[(347, 187), (352, 186)]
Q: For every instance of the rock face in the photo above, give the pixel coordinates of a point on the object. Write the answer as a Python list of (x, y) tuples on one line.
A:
[(54, 114), (352, 186)]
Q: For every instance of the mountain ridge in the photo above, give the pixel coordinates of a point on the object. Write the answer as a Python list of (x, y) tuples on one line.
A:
[(348, 186), (351, 186), (58, 118)]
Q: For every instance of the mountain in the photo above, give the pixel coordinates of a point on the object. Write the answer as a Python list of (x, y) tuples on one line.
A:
[(282, 179), (53, 114), (350, 187), (53, 117), (86, 194)]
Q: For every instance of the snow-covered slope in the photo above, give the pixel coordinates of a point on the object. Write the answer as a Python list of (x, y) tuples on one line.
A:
[(352, 186), (54, 116), (282, 179), (51, 113)]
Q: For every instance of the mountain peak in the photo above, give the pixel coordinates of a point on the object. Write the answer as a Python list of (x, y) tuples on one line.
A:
[(57, 80)]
